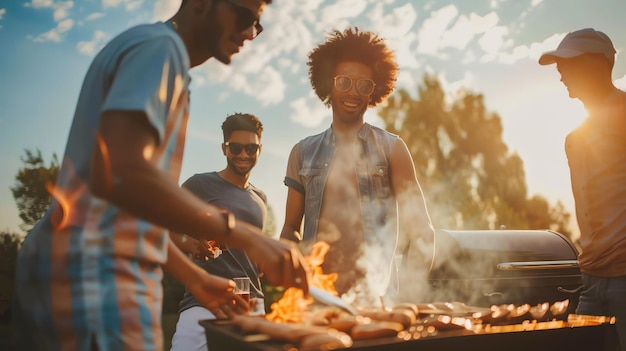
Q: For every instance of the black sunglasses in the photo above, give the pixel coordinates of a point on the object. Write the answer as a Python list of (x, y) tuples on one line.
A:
[(363, 86), (246, 18), (235, 148)]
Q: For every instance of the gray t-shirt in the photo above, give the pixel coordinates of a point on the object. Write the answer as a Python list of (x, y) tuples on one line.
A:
[(248, 205)]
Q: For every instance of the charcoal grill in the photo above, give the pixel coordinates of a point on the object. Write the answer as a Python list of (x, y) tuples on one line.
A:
[(492, 267)]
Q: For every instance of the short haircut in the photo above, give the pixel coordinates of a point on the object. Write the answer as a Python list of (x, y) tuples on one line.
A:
[(241, 121), (354, 46), (266, 1)]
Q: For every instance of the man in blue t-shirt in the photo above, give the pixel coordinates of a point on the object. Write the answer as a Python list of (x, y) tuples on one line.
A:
[(228, 189)]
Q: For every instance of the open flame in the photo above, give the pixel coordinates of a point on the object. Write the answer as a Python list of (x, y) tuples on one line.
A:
[(67, 196), (290, 307)]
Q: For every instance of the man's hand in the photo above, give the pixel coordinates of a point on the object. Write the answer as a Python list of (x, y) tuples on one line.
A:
[(280, 262), (216, 294), (207, 250), (213, 292)]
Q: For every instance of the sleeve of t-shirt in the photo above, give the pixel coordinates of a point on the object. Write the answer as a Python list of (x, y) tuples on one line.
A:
[(193, 184), (149, 77), (292, 179)]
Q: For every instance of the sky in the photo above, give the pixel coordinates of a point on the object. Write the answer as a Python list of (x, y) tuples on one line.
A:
[(489, 47)]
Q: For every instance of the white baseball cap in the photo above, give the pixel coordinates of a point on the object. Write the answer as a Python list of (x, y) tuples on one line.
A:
[(583, 41)]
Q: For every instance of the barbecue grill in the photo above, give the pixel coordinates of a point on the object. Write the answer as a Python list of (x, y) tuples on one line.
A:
[(225, 337), (479, 268), (492, 267)]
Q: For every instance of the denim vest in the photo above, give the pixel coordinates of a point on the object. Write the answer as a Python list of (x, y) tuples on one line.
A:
[(378, 203)]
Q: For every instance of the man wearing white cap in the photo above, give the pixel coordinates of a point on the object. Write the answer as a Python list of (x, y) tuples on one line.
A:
[(596, 153)]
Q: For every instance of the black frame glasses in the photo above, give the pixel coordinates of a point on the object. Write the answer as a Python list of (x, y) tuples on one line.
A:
[(343, 83), (235, 148), (246, 18)]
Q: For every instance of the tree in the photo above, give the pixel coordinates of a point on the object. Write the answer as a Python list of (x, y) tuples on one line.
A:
[(30, 191), (269, 228), (470, 178), (9, 246)]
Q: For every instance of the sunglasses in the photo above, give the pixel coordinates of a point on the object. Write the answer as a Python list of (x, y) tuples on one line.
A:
[(246, 18), (363, 86), (235, 148)]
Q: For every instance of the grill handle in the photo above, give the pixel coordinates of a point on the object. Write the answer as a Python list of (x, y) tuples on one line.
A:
[(535, 265), (570, 291)]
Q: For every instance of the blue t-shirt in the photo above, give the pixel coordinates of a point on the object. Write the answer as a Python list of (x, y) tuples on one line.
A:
[(88, 271), (248, 205)]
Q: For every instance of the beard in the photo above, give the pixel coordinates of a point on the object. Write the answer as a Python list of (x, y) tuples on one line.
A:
[(220, 55), (348, 117), (237, 170), (216, 33)]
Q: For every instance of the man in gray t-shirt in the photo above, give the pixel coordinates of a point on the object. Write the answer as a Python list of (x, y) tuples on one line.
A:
[(228, 189)]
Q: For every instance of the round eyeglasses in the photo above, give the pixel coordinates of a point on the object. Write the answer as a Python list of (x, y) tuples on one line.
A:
[(235, 148), (363, 86)]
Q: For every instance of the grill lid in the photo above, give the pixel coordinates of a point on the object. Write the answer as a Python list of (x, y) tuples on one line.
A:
[(473, 254)]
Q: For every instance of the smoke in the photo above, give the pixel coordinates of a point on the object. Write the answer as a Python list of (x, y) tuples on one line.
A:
[(407, 260)]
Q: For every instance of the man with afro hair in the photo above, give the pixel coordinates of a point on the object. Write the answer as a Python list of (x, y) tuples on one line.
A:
[(354, 184)]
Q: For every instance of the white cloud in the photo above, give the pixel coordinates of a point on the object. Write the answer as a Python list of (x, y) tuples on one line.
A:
[(620, 83), (164, 9), (65, 25), (61, 10), (394, 25), (518, 53), (433, 28), (89, 48), (461, 33), (396, 28), (493, 40), (217, 71), (60, 15), (129, 5), (550, 43), (342, 9), (55, 34), (94, 16), (38, 4), (268, 86), (2, 12), (309, 111)]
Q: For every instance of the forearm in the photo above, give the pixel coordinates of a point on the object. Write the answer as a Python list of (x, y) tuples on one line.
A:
[(184, 242), (151, 195), (290, 233), (180, 266), (124, 172), (293, 216)]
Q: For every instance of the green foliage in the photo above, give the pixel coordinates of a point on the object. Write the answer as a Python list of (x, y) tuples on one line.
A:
[(30, 192), (469, 177), (269, 228)]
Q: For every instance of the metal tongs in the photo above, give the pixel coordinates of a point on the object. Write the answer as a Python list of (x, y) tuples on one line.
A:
[(331, 300)]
